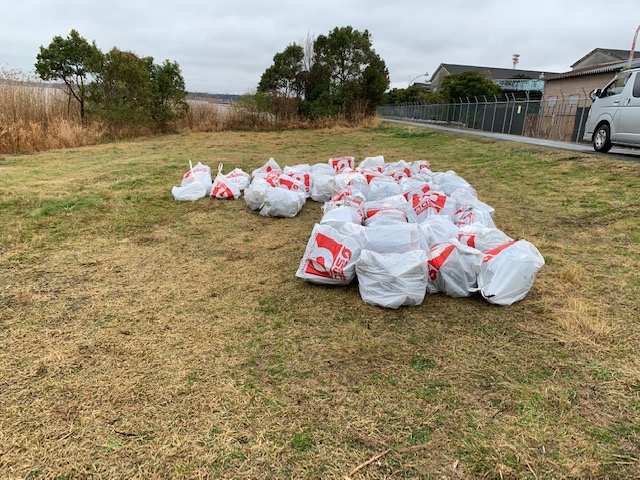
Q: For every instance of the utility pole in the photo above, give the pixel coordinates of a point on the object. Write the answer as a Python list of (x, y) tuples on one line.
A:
[(633, 46)]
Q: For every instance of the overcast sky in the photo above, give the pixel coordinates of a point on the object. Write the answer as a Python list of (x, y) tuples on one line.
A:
[(225, 46)]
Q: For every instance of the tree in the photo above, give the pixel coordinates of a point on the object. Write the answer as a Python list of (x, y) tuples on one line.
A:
[(72, 60), (468, 85), (121, 92), (168, 92), (286, 75), (335, 73), (132, 90), (355, 70)]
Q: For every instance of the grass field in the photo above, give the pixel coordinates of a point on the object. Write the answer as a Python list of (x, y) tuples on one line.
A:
[(147, 338)]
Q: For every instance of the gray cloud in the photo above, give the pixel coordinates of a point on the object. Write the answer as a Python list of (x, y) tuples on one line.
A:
[(225, 46)]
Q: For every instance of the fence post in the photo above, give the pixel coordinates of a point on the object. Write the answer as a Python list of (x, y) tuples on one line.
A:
[(475, 113), (495, 105), (512, 112), (579, 130), (526, 112), (561, 115), (504, 121)]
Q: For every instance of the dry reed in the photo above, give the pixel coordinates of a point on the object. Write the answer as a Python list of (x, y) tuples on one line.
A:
[(37, 116)]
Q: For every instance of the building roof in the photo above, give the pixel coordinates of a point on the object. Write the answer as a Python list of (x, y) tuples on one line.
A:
[(614, 52), (493, 72), (604, 68)]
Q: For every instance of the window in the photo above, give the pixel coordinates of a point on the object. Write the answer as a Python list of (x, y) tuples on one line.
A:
[(615, 87), (636, 86), (573, 100)]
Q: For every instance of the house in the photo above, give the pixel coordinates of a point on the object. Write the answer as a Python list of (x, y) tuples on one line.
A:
[(602, 56), (587, 74), (499, 75), (567, 95)]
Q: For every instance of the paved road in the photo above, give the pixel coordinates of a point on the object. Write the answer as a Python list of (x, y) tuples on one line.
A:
[(628, 154)]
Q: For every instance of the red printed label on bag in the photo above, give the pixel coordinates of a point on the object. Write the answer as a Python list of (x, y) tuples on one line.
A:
[(490, 255), (222, 191), (468, 239), (289, 184), (341, 163), (465, 218), (426, 201), (439, 255), (195, 170), (328, 258), (373, 211), (303, 178), (272, 178), (370, 175), (402, 173), (418, 191)]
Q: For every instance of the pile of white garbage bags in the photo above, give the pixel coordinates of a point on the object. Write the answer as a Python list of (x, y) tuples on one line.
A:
[(401, 229), (404, 231)]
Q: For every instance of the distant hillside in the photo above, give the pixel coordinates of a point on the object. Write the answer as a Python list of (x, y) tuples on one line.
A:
[(213, 97)]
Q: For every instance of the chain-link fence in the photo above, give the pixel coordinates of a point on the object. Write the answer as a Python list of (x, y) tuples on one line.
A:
[(550, 118)]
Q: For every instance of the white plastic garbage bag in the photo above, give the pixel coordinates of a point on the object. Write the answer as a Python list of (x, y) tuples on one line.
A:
[(422, 206), (393, 238), (392, 280), (371, 173), (323, 187), (399, 174), (353, 230), (303, 178), (470, 215), (437, 229), (507, 272), (420, 166), (302, 168), (453, 269), (330, 257), (390, 210), (200, 173), (254, 195), (223, 188), (280, 202), (239, 178), (383, 187), (464, 197), (354, 180), (322, 169), (270, 166), (339, 215), (450, 181), (192, 191), (482, 238), (291, 183), (372, 162), (272, 178), (387, 216), (413, 185), (341, 163), (395, 166)]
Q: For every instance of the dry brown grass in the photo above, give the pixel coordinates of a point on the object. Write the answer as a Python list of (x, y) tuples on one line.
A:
[(146, 338), (36, 116)]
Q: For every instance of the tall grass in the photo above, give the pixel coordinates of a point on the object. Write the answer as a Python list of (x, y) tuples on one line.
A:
[(36, 115)]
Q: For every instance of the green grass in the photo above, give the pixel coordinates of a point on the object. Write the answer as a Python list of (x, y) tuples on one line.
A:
[(148, 338)]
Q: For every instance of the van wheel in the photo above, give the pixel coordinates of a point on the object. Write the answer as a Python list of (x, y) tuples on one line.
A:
[(602, 139)]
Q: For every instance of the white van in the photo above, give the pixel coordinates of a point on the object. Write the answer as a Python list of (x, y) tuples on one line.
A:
[(614, 118)]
